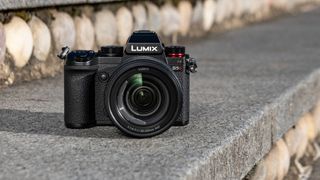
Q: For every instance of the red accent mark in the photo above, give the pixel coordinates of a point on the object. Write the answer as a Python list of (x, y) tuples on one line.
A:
[(176, 55)]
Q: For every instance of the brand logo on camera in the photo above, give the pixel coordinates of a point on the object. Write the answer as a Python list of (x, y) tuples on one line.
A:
[(144, 49)]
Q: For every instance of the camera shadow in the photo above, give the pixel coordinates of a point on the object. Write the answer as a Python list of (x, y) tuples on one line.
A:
[(19, 121)]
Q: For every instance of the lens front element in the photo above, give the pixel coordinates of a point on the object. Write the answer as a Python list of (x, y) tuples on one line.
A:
[(145, 98)]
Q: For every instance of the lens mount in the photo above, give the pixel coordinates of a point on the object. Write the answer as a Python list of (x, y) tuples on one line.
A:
[(143, 97)]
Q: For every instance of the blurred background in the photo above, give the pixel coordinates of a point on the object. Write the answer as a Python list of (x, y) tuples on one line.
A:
[(32, 32)]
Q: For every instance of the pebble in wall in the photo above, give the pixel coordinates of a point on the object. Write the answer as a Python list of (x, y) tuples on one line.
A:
[(124, 24), (284, 159), (140, 17), (63, 31), (268, 162), (316, 116), (265, 7), (41, 38), (275, 164), (2, 43), (220, 11), (302, 138), (251, 6), (237, 8), (246, 6), (154, 17), (106, 33), (185, 11), (313, 147), (228, 9), (316, 119), (209, 12), (84, 33), (19, 41), (291, 142), (260, 171), (170, 20), (197, 19)]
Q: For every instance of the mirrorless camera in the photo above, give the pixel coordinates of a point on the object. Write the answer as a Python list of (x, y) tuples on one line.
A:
[(143, 89)]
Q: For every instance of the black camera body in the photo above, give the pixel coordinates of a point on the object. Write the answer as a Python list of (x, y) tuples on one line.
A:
[(143, 88)]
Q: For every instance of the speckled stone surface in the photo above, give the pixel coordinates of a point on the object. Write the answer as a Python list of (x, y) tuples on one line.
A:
[(252, 85), (21, 4)]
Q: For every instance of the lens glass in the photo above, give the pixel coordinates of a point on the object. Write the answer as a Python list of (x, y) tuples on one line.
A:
[(143, 99)]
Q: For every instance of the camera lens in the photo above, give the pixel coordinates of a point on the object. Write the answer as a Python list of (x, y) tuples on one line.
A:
[(144, 97), (144, 100)]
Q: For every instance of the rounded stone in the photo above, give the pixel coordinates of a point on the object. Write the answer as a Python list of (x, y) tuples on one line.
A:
[(105, 26), (170, 20), (275, 164), (271, 166), (227, 8), (316, 116), (238, 8), (185, 11), (284, 159), (63, 30), (2, 43), (221, 11), (140, 17), (253, 6), (154, 17), (19, 41), (41, 38), (84, 33), (311, 125), (196, 21), (124, 24), (290, 140), (301, 137), (209, 10), (246, 6)]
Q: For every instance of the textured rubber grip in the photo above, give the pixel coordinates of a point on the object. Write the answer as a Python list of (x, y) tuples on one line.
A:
[(79, 92)]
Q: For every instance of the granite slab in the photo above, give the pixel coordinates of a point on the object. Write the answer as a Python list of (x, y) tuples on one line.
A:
[(252, 85)]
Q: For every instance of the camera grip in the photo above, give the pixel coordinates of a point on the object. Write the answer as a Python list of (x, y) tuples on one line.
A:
[(79, 98)]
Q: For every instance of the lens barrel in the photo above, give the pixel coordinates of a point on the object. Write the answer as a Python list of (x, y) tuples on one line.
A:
[(143, 97)]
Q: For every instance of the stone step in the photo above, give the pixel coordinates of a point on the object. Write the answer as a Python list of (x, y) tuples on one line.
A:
[(253, 84), (22, 4)]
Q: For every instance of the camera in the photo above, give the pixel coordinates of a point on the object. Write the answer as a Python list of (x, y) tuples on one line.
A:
[(142, 88)]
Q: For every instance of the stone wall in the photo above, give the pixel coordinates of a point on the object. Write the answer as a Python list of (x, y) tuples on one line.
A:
[(31, 38), (292, 156)]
